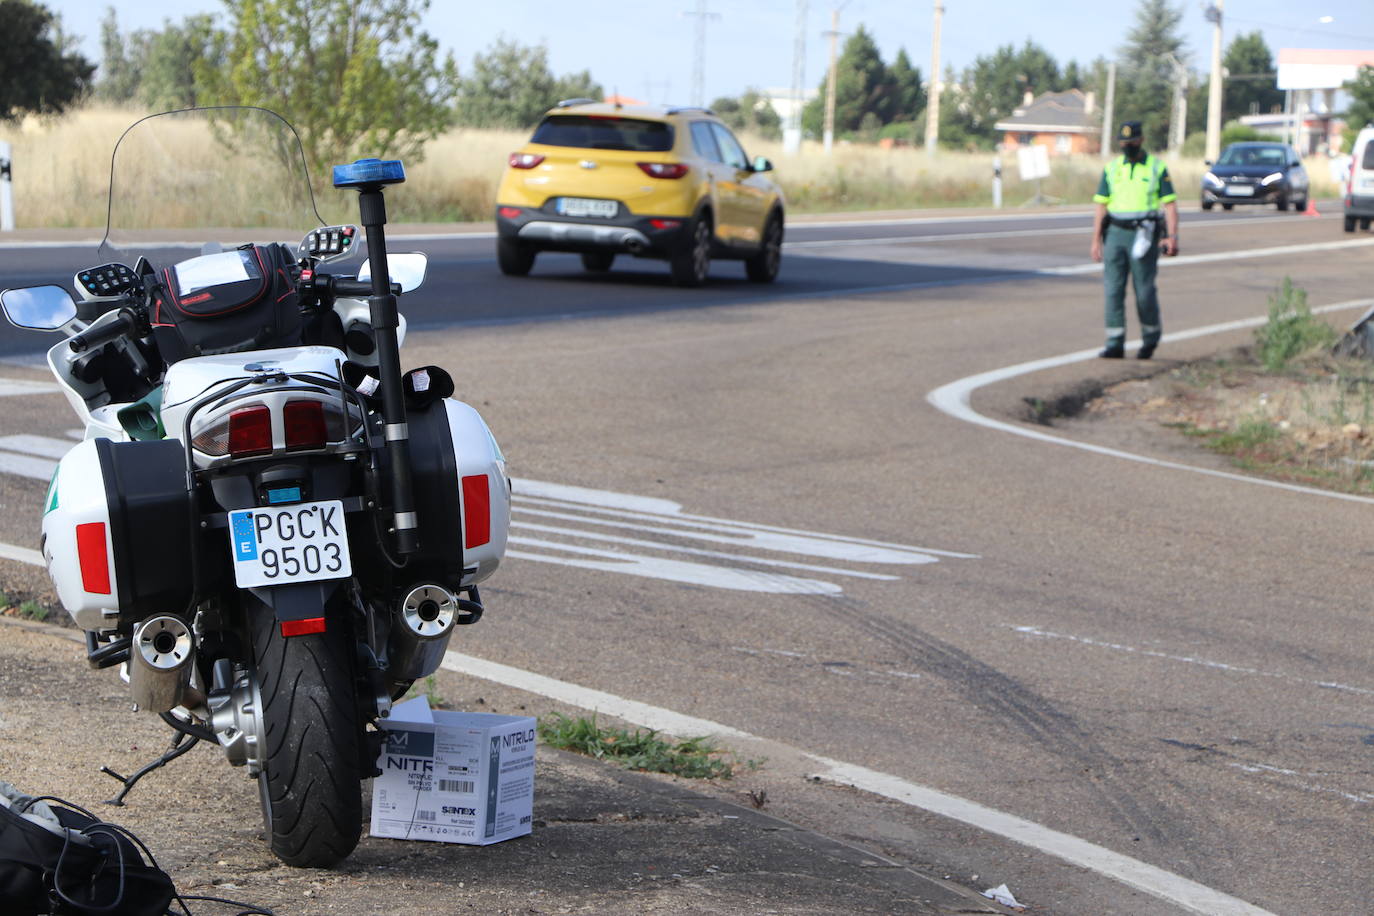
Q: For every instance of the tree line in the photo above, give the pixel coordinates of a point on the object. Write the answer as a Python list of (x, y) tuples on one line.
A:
[(362, 75)]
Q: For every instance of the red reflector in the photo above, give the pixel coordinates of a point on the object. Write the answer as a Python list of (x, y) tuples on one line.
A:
[(476, 511), (663, 169), (524, 160), (302, 627), (509, 212), (665, 223), (303, 424), (95, 560), (250, 431)]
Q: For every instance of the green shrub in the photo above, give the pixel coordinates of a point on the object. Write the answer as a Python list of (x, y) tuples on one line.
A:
[(640, 749), (1292, 330)]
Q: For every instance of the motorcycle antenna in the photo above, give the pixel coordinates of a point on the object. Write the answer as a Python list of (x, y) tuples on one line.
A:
[(368, 177)]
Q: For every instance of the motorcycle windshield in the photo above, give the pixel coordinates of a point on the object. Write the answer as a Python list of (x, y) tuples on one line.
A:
[(226, 175)]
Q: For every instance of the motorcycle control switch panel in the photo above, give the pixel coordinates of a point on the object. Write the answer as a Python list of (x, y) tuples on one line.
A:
[(108, 281), (329, 243)]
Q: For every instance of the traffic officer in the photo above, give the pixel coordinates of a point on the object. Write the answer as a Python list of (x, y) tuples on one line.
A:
[(1127, 238)]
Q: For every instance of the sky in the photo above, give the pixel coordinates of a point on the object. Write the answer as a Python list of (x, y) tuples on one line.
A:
[(647, 50)]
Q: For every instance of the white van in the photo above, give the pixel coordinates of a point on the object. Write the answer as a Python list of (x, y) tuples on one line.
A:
[(1359, 187)]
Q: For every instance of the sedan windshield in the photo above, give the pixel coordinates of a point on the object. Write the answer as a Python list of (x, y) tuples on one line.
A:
[(604, 132), (1253, 155)]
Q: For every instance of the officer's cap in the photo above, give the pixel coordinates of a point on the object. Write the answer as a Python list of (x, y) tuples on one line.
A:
[(1130, 130)]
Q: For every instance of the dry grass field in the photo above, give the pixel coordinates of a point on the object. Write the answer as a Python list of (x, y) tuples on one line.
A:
[(61, 169)]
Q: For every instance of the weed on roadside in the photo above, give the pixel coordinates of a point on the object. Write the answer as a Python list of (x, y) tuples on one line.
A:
[(1292, 329), (33, 610), (640, 749)]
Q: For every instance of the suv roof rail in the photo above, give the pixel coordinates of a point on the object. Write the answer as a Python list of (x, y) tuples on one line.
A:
[(568, 103), (679, 109)]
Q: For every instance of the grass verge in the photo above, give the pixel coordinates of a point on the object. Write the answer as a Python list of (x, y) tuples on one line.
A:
[(640, 749)]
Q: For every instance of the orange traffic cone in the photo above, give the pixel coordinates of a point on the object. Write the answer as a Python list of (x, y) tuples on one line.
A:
[(1311, 208)]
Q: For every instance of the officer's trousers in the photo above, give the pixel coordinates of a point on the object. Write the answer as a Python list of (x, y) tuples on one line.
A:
[(1116, 265)]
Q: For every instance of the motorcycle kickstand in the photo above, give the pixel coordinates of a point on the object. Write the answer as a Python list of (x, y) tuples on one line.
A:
[(176, 750)]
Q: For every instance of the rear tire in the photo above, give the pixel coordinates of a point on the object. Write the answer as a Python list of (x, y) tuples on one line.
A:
[(690, 265), (1227, 207), (310, 779), (1207, 205), (1364, 224), (1350, 224), (598, 262), (514, 259), (763, 267)]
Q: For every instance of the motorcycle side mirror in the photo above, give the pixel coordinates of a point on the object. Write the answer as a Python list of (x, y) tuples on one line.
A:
[(405, 269), (38, 308)]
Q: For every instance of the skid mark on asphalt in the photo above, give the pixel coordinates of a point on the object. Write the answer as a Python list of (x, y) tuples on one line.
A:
[(1192, 660), (840, 668)]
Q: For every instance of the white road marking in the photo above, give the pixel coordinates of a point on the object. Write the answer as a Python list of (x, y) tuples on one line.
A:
[(954, 399), (43, 446), (25, 466), (1191, 660), (15, 387), (1189, 895), (1262, 769), (1185, 259)]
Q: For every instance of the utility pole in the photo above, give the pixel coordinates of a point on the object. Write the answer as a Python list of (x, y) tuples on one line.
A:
[(834, 35), (1178, 120), (1108, 125), (791, 136), (1214, 88), (699, 55), (933, 103)]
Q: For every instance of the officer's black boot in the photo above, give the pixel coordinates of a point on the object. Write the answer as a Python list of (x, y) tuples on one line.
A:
[(1145, 351), (1112, 352)]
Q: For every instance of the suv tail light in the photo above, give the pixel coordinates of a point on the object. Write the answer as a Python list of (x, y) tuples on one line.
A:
[(250, 431), (524, 160), (303, 424), (663, 169)]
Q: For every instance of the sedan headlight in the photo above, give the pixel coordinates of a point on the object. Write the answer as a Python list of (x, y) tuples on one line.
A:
[(1271, 178), (1213, 181)]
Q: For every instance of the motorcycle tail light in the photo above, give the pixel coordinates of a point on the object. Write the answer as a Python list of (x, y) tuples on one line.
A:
[(250, 431), (303, 424)]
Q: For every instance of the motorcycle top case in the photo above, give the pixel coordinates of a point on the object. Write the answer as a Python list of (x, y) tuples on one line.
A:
[(462, 494), (116, 531)]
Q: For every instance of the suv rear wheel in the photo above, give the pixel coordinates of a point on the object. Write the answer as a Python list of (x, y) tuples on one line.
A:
[(514, 259), (598, 261), (690, 264), (763, 267)]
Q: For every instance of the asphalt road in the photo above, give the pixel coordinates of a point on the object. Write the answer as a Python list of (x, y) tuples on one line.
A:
[(736, 503)]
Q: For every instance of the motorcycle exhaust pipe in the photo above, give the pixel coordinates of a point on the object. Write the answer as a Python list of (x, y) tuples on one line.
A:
[(161, 659), (420, 631)]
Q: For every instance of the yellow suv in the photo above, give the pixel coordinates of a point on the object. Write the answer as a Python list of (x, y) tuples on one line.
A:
[(670, 183)]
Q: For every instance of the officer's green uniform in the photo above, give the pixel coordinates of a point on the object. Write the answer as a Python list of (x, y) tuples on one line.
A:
[(1132, 191)]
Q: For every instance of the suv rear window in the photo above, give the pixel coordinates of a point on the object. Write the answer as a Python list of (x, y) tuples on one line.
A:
[(1368, 162), (604, 132)]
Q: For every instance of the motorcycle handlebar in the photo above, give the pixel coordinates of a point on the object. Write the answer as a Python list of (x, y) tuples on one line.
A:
[(125, 323), (347, 286)]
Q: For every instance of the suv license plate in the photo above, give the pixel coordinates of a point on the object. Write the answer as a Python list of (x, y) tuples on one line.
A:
[(1240, 190), (282, 544), (581, 206)]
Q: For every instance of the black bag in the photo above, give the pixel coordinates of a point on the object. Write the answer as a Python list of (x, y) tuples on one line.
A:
[(238, 300), (56, 859)]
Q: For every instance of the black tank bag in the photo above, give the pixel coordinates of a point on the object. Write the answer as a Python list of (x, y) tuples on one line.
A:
[(238, 300)]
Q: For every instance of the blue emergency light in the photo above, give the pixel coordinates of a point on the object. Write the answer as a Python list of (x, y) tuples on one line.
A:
[(366, 172)]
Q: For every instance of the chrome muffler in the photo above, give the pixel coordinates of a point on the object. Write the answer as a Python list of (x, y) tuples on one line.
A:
[(161, 659), (420, 630)]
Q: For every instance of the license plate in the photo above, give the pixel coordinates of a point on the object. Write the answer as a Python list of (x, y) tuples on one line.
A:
[(581, 206), (1240, 190), (277, 545)]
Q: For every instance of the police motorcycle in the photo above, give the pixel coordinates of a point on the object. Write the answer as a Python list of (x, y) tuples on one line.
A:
[(268, 528)]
